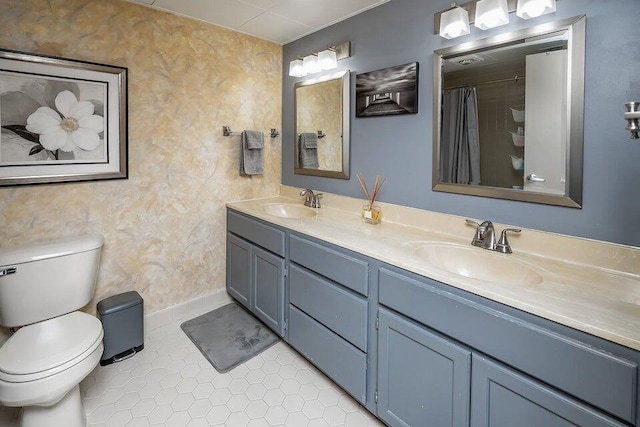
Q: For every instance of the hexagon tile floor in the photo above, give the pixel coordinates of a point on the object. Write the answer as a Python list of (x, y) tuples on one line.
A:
[(170, 383)]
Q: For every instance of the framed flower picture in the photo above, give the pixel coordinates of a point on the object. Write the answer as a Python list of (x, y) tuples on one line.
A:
[(61, 120)]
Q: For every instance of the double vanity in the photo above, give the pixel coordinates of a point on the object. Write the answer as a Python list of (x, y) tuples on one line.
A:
[(424, 329)]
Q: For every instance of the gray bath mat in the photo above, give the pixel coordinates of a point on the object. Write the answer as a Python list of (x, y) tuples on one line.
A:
[(228, 336)]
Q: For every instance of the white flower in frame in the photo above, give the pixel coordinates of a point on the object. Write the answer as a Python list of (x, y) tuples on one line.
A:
[(78, 126)]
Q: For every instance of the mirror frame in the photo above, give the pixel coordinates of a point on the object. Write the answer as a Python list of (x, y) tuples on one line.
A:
[(575, 113), (346, 105)]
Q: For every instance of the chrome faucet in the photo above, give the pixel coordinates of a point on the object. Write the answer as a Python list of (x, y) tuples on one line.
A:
[(310, 199), (308, 195), (485, 237)]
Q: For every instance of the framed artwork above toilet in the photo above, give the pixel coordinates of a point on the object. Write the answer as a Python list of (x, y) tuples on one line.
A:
[(61, 120)]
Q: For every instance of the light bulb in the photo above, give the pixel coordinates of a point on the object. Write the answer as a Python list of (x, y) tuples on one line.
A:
[(311, 65), (454, 23), (296, 69), (528, 9), (491, 14), (328, 59), (534, 9), (455, 29)]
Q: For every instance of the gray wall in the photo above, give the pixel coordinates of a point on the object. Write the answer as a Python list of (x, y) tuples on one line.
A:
[(400, 147)]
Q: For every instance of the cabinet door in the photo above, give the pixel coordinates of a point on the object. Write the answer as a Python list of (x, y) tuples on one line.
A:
[(268, 289), (554, 355), (423, 378), (502, 397), (239, 269)]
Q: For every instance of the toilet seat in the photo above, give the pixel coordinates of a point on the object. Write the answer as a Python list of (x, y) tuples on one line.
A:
[(47, 348), (50, 390)]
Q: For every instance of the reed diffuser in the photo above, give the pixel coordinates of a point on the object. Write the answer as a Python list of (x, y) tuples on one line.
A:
[(371, 213)]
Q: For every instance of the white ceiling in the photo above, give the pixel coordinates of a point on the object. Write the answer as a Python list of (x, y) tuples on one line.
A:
[(281, 21)]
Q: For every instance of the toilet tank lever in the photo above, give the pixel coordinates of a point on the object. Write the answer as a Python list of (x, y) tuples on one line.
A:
[(7, 271)]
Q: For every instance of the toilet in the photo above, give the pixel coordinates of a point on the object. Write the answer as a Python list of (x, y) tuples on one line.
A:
[(42, 285)]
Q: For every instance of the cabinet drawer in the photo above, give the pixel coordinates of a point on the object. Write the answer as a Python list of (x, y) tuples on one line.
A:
[(344, 269), (261, 234), (339, 310), (342, 362), (570, 365)]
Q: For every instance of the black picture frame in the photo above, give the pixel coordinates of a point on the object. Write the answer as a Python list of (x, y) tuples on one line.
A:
[(388, 92)]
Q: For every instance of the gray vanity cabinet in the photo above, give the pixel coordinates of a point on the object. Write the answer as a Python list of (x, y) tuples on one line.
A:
[(503, 397), (545, 375), (423, 378), (256, 268), (417, 352), (328, 311)]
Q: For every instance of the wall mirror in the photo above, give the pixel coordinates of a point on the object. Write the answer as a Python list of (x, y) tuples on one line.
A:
[(508, 115), (322, 126)]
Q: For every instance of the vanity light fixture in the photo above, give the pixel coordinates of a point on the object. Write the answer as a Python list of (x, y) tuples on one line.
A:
[(486, 14), (324, 60), (491, 14), (528, 9), (454, 23), (296, 68)]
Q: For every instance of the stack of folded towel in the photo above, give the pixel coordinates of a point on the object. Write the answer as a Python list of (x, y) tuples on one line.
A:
[(251, 157), (308, 151)]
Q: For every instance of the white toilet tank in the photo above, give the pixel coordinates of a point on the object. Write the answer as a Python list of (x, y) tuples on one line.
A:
[(42, 280)]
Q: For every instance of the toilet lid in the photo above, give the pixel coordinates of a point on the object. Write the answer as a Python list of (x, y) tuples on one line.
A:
[(46, 345)]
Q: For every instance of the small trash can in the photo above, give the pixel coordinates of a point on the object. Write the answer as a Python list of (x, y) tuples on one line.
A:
[(123, 325)]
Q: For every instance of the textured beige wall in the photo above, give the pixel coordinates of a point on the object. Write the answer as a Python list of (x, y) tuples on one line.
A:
[(319, 107), (165, 226)]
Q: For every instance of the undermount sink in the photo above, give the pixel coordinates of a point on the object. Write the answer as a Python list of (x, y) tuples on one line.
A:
[(289, 210), (480, 264)]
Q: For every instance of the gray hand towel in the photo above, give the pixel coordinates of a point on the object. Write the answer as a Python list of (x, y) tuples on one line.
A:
[(255, 139), (307, 157), (309, 140), (251, 159)]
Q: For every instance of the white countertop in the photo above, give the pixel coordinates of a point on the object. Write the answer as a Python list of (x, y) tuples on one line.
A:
[(595, 288)]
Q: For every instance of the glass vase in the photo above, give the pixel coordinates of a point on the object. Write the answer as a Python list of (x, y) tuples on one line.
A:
[(371, 214)]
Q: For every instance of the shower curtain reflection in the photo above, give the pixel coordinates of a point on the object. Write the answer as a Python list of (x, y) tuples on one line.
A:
[(460, 143)]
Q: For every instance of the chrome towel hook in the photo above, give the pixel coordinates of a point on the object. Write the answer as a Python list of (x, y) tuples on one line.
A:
[(632, 116)]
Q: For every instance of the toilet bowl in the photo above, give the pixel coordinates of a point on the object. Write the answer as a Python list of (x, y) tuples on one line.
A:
[(43, 363)]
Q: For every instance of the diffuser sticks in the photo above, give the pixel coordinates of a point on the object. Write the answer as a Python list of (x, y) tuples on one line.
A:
[(370, 213)]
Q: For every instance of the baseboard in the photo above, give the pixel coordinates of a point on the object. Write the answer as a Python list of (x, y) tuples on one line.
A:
[(186, 310)]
